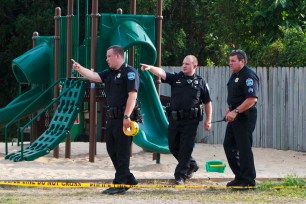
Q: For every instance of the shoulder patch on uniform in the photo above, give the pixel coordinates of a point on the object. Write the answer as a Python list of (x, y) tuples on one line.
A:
[(131, 75), (249, 82)]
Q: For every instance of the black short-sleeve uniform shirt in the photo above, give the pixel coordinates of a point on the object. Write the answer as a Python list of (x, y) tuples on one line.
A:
[(241, 86), (118, 83), (187, 91)]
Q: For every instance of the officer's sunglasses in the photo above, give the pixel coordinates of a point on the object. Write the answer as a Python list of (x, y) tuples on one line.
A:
[(238, 52)]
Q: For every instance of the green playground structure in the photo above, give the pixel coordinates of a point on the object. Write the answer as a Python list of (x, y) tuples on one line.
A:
[(70, 101), (47, 65)]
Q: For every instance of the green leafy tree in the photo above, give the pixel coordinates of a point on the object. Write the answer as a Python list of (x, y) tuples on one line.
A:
[(19, 19), (288, 50)]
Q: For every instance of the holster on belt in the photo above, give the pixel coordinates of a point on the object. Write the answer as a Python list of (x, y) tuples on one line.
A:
[(174, 115), (136, 115), (111, 112), (168, 111), (191, 113), (195, 113), (200, 113)]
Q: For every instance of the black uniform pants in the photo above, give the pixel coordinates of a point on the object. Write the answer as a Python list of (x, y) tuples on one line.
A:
[(118, 146), (238, 146), (181, 141)]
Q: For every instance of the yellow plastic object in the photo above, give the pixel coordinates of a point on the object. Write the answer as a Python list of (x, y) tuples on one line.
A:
[(133, 130), (215, 166)]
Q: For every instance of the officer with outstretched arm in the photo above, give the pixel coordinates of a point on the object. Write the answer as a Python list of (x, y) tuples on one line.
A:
[(189, 95)]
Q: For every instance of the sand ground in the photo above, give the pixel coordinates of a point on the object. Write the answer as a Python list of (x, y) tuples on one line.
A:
[(270, 164)]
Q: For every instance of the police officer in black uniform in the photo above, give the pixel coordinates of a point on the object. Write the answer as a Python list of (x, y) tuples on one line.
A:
[(121, 87), (241, 115), (188, 94)]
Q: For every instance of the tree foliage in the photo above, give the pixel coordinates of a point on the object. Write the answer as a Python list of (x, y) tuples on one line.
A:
[(19, 19), (271, 32)]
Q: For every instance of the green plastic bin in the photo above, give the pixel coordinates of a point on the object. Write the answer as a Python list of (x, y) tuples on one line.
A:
[(215, 166)]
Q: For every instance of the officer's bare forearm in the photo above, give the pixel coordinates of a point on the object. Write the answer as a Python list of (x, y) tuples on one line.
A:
[(158, 72), (130, 103), (87, 73), (208, 111), (94, 76), (247, 103)]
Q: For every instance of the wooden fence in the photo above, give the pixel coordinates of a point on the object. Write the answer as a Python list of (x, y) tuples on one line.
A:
[(281, 106)]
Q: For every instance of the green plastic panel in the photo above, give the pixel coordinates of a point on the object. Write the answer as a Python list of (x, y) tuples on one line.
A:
[(126, 31), (28, 66), (138, 31), (60, 124), (153, 134), (23, 101)]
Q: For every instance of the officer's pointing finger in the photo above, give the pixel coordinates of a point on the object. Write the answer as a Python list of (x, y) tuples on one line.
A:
[(144, 66)]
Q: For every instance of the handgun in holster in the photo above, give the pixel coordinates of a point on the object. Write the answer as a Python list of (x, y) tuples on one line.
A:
[(137, 115), (191, 113), (195, 113), (200, 113)]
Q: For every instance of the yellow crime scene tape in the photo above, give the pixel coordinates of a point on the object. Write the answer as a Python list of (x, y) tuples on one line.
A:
[(55, 184)]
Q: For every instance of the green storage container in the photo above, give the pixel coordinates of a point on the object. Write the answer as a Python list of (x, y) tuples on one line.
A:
[(215, 166)]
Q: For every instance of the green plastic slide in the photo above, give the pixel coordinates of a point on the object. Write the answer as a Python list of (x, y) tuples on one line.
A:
[(153, 134), (20, 103), (60, 125), (138, 31)]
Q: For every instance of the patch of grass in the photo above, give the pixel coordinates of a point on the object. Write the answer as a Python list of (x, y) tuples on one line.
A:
[(265, 193), (291, 181)]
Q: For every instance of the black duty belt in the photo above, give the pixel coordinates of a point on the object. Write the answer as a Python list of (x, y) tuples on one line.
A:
[(193, 113), (118, 112)]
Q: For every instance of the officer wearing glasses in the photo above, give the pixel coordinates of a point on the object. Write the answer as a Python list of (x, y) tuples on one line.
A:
[(189, 94), (241, 116)]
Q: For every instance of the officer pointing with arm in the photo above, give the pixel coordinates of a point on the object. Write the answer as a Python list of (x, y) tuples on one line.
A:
[(189, 92), (121, 87), (241, 115)]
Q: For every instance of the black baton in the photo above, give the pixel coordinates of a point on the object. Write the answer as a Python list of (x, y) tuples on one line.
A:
[(217, 121)]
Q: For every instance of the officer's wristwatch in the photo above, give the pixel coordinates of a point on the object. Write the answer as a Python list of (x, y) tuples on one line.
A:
[(236, 110), (126, 116)]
